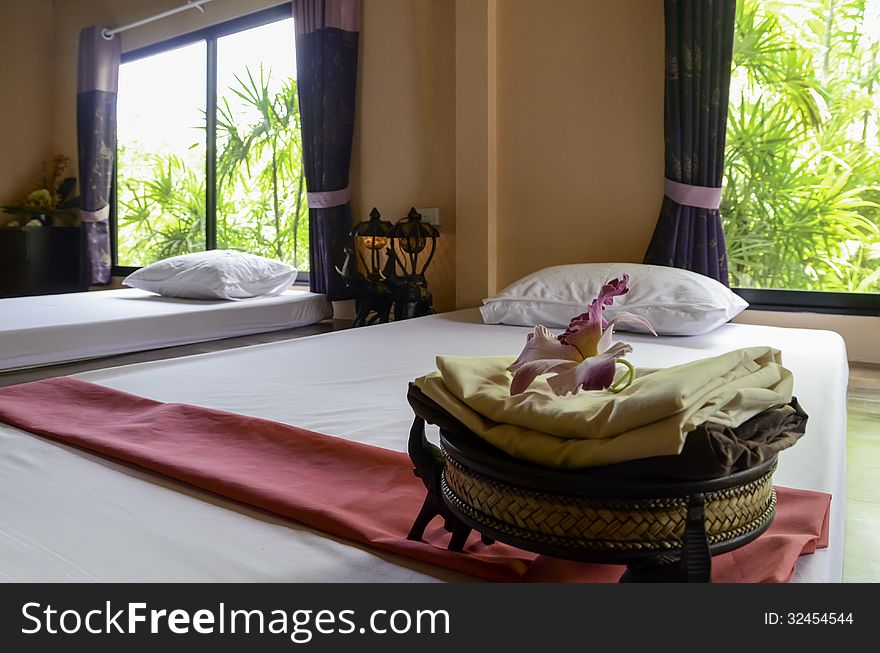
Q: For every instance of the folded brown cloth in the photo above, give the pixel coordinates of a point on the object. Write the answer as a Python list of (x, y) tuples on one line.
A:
[(710, 451)]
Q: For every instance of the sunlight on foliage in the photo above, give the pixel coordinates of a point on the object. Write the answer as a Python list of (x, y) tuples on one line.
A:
[(802, 182), (261, 195)]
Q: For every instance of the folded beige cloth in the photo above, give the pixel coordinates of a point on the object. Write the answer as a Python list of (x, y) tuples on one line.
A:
[(650, 418)]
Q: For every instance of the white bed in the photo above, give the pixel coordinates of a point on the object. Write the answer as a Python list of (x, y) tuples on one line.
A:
[(50, 329), (69, 515)]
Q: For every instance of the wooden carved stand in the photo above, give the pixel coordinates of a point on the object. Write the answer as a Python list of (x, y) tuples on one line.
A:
[(429, 463)]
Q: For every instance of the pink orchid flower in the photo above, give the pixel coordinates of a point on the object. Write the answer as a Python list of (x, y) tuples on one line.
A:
[(584, 356)]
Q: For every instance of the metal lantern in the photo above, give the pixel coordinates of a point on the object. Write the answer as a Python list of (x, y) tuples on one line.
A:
[(371, 237), (413, 244), (410, 238), (370, 289)]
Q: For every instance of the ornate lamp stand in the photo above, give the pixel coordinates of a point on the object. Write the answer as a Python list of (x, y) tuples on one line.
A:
[(410, 238), (385, 268)]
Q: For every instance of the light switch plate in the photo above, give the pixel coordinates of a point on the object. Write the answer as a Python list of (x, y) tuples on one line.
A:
[(431, 216)]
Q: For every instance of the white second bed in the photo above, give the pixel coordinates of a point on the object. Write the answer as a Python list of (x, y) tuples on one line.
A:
[(69, 515), (51, 329)]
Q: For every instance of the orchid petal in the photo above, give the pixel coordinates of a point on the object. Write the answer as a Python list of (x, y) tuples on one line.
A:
[(612, 289), (584, 335), (594, 373), (605, 340), (543, 345), (625, 317), (528, 372), (585, 330)]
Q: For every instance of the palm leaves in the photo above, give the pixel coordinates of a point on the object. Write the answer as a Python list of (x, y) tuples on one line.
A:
[(162, 215), (801, 197), (261, 204), (772, 61), (261, 159)]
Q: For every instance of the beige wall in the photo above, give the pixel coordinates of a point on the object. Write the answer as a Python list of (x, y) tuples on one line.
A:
[(26, 108), (405, 133), (580, 131), (476, 153), (574, 128)]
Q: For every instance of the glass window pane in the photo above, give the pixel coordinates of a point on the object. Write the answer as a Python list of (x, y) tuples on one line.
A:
[(261, 194), (161, 156), (801, 192)]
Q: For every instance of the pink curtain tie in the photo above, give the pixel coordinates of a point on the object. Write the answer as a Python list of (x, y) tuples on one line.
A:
[(101, 215), (703, 197), (329, 199)]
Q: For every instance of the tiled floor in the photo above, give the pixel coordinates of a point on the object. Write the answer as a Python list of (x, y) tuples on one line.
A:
[(862, 554)]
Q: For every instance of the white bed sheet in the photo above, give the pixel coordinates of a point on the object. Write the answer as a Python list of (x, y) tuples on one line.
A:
[(69, 515), (50, 329)]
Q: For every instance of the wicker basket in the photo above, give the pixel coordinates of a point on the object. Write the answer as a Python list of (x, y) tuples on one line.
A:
[(594, 517), (580, 524)]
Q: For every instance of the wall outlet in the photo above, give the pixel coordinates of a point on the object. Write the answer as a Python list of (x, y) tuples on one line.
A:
[(431, 216)]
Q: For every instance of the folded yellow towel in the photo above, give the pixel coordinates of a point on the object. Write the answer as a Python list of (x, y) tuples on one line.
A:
[(650, 418)]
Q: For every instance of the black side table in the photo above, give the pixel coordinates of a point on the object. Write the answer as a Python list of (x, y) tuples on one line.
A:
[(41, 261)]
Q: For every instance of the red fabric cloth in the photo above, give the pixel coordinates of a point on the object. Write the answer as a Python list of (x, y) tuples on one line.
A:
[(359, 492)]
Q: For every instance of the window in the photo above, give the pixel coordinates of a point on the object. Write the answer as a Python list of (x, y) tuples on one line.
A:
[(210, 150), (801, 202), (160, 159)]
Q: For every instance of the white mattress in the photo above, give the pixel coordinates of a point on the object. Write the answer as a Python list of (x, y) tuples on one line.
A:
[(50, 329), (69, 515)]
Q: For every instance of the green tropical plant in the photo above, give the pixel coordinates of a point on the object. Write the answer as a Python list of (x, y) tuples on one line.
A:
[(801, 195), (53, 198), (262, 160), (261, 199), (162, 214)]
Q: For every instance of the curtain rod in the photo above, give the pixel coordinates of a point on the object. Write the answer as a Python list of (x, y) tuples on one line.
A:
[(190, 4)]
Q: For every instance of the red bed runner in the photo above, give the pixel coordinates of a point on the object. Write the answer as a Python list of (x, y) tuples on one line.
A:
[(363, 493)]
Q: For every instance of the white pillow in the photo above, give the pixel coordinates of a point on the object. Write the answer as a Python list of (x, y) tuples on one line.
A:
[(215, 274), (677, 302)]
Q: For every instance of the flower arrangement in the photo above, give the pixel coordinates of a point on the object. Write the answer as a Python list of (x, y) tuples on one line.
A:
[(584, 357), (52, 199)]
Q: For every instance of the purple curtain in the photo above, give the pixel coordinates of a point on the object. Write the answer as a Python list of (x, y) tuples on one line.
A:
[(699, 48), (96, 136), (327, 35)]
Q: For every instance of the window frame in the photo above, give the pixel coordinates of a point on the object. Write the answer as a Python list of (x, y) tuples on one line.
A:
[(810, 301), (790, 300), (210, 36)]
